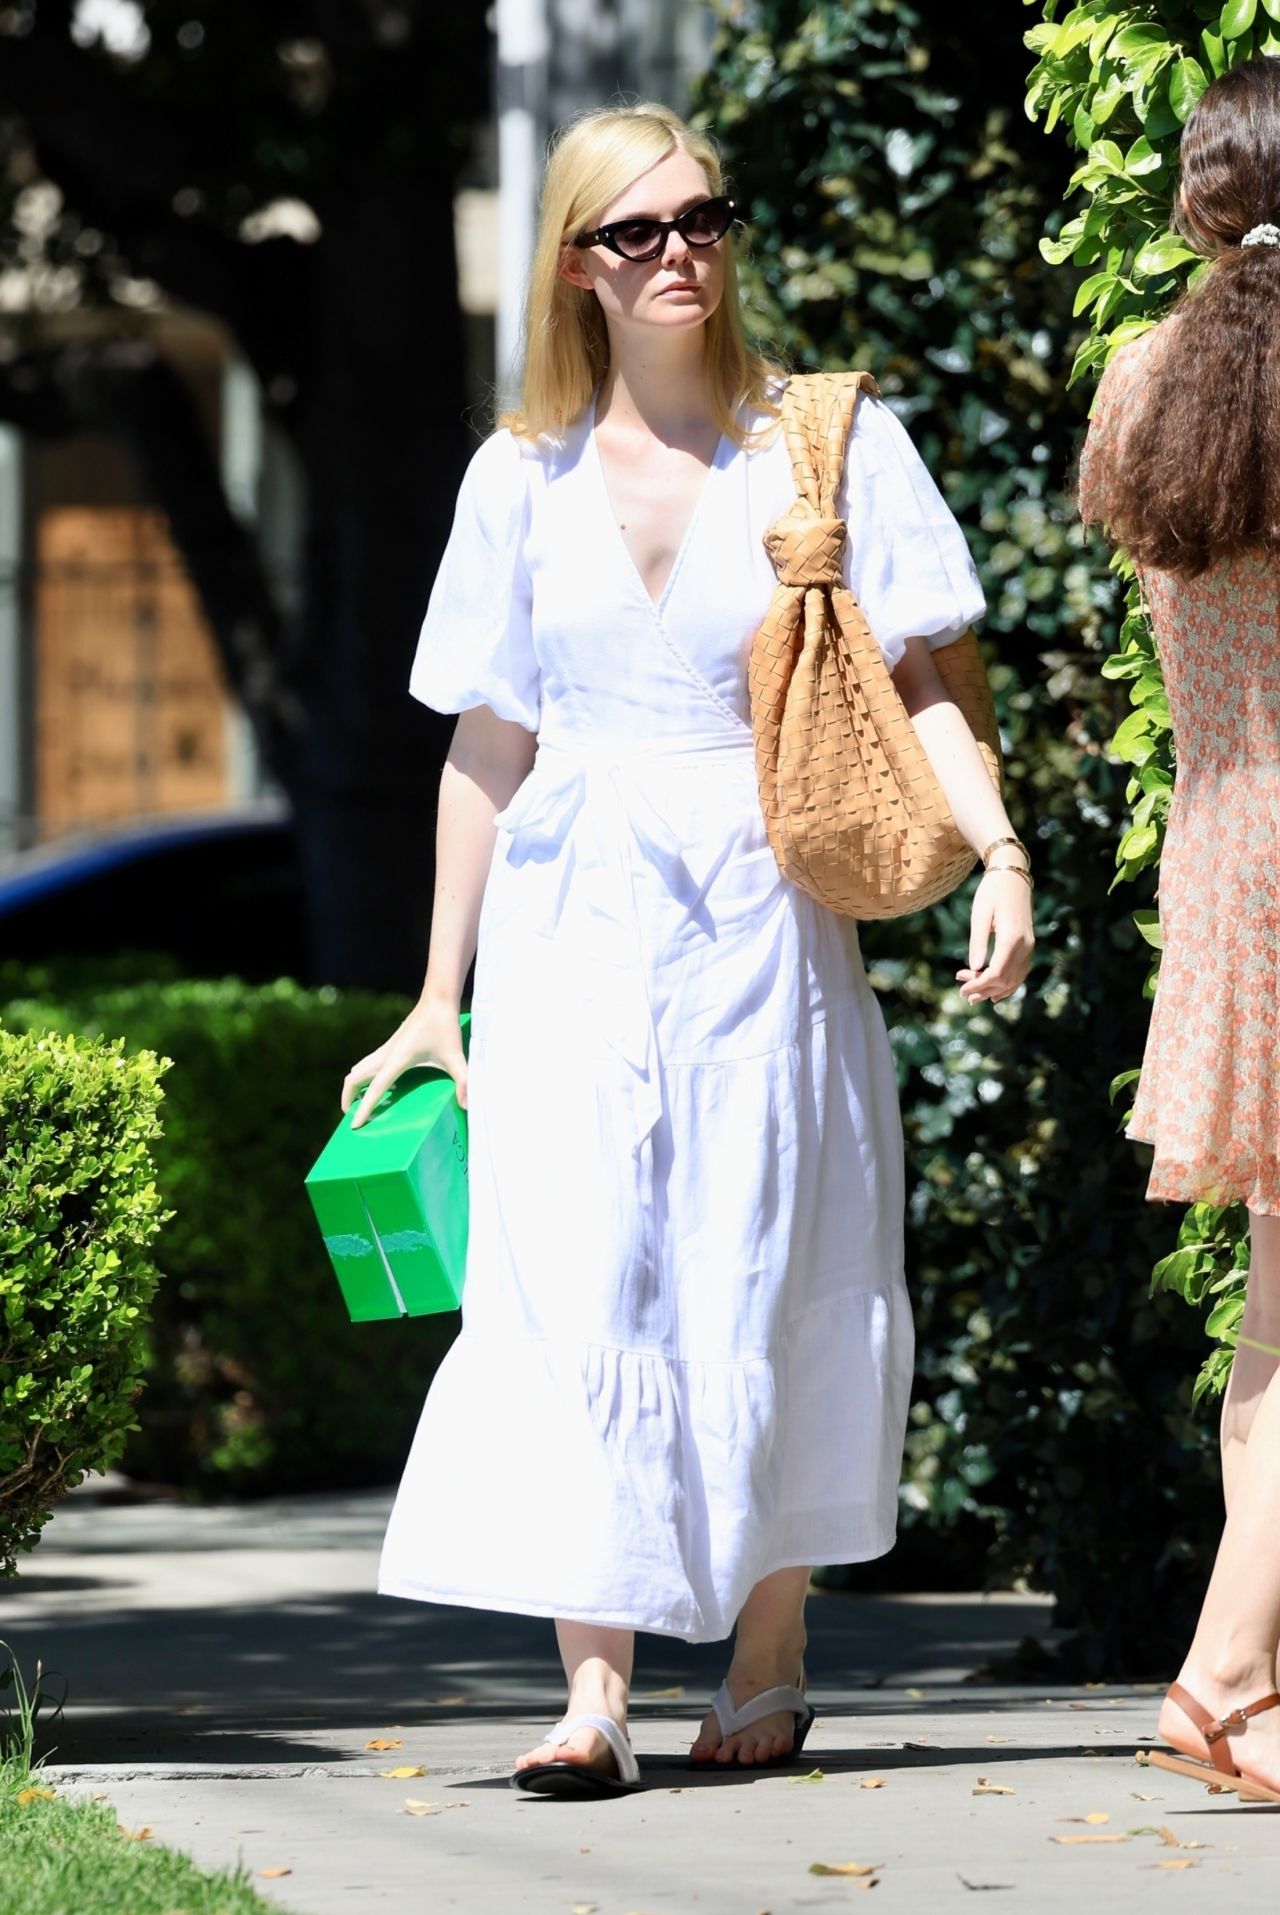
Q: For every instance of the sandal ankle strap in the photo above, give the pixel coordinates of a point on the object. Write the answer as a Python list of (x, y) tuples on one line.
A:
[(1214, 1729)]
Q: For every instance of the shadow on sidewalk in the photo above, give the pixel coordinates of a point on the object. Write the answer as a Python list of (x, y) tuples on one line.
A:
[(254, 1636)]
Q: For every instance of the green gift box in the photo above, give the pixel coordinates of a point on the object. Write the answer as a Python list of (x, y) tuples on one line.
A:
[(391, 1199)]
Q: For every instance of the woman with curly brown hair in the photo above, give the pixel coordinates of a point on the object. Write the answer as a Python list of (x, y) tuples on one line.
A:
[(1182, 465)]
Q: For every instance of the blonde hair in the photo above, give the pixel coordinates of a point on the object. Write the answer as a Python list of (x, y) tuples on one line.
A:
[(591, 159)]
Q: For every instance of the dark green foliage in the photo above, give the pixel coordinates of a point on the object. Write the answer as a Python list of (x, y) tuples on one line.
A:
[(78, 1212), (896, 195), (257, 1379)]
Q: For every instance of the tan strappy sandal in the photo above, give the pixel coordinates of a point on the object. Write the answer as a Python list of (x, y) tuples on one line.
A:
[(1220, 1771)]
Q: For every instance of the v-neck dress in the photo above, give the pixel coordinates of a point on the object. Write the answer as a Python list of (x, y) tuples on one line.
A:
[(686, 1345)]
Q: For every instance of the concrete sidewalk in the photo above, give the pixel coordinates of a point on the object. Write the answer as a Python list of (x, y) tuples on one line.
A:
[(227, 1668)]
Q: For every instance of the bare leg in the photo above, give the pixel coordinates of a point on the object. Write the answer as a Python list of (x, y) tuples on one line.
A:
[(597, 1664), (1232, 1660), (1253, 1369), (768, 1649)]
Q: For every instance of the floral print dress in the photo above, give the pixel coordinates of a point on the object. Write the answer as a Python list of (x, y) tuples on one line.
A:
[(1209, 1095)]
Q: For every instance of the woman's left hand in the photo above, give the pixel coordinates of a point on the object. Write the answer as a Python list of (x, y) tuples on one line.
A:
[(1001, 926)]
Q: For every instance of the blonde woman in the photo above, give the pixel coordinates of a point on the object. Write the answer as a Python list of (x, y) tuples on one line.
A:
[(686, 1350)]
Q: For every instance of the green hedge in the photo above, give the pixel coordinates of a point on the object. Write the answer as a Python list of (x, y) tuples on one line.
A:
[(895, 195), (256, 1379), (79, 1210)]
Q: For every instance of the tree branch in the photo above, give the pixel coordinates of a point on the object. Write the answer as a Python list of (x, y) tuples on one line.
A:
[(120, 162)]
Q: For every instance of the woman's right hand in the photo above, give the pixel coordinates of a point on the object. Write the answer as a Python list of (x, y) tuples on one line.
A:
[(430, 1034)]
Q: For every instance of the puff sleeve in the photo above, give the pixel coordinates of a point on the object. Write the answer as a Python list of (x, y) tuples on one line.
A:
[(476, 644), (906, 559)]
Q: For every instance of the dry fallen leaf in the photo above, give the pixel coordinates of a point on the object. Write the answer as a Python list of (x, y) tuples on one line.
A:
[(584, 1908), (814, 1775), (403, 1773), (921, 1745), (33, 1795), (384, 1742), (1143, 1798), (871, 1782), (134, 1835), (987, 1787), (662, 1695), (966, 1883), (1169, 1839), (1097, 1816), (998, 1738), (412, 1806), (845, 1868), (917, 1695), (1088, 1838), (1181, 1861), (270, 1874)]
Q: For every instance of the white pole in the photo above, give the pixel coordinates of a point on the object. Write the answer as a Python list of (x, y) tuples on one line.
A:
[(241, 476), (522, 130)]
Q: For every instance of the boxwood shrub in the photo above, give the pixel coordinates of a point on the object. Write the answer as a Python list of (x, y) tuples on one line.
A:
[(256, 1381), (79, 1210)]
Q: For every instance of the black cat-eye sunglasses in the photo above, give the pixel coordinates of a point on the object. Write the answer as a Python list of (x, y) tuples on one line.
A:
[(700, 225)]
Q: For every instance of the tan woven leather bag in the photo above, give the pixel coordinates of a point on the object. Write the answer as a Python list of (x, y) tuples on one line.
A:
[(854, 812)]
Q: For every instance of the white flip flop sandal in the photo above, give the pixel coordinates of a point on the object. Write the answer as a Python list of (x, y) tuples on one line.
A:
[(768, 1702), (575, 1779)]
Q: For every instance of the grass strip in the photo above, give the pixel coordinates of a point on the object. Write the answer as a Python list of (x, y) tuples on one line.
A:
[(68, 1857)]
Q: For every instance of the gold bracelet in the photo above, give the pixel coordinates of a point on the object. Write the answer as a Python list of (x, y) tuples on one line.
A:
[(1018, 870), (996, 844)]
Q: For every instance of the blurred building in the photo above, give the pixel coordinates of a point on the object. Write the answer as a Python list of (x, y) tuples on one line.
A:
[(112, 706)]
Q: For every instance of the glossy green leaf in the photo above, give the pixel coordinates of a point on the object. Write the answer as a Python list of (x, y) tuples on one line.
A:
[(1132, 741), (1089, 289), (1142, 157), (1108, 96), (1163, 254), (1142, 43), (1237, 17), (1148, 923), (1186, 83)]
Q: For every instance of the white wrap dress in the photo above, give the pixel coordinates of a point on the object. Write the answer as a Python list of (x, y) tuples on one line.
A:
[(686, 1345)]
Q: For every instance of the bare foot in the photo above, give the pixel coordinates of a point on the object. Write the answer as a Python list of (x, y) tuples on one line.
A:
[(596, 1691), (585, 1746), (769, 1739), (1255, 1749)]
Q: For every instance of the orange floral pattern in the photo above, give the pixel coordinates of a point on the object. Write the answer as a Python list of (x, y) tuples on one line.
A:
[(1209, 1095)]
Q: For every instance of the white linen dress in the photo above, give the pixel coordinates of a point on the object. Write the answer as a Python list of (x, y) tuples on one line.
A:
[(686, 1344)]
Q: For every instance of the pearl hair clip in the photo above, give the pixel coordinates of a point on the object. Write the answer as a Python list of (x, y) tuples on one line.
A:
[(1262, 236)]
